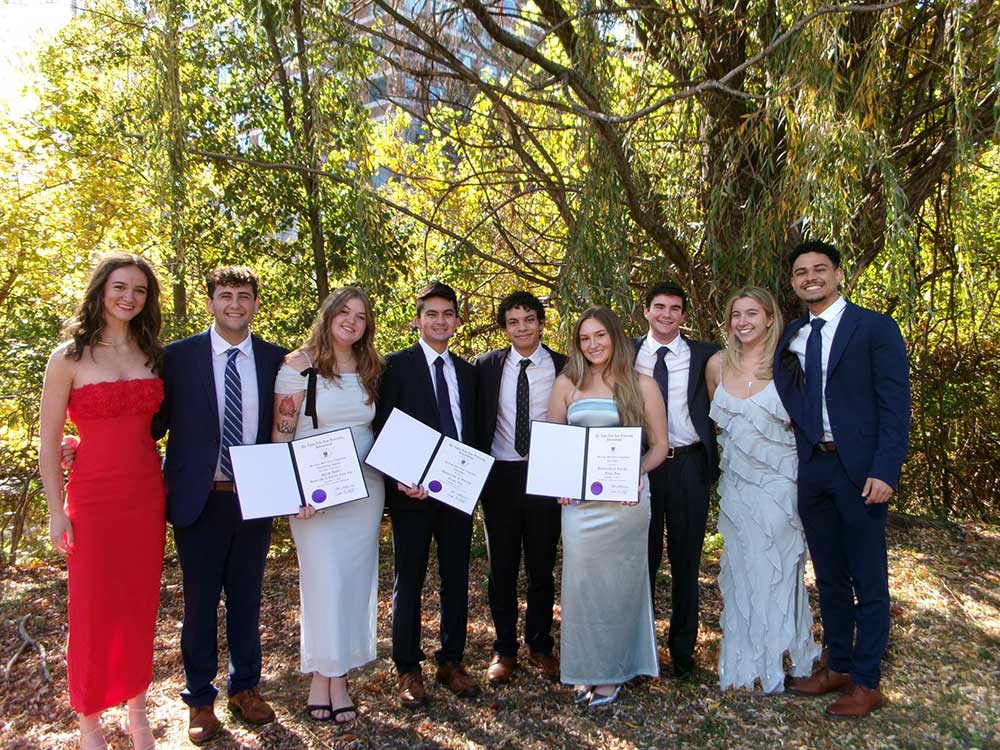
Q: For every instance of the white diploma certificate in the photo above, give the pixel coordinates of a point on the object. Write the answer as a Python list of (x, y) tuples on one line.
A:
[(584, 463), (276, 479), (413, 453)]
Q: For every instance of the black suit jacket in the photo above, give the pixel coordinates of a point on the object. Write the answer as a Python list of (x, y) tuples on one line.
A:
[(406, 384), (698, 403), (190, 412), (489, 369)]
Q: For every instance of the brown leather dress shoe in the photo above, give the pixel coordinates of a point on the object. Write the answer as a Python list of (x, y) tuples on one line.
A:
[(251, 707), (546, 663), (202, 724), (501, 670), (411, 690), (457, 680), (856, 702), (822, 681)]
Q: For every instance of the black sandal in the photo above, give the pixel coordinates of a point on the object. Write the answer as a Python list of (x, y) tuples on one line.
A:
[(327, 707), (344, 710)]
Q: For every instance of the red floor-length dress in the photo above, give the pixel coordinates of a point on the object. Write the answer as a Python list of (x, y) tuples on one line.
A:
[(115, 502)]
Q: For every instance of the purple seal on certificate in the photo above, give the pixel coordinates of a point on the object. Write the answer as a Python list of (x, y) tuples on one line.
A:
[(596, 488), (318, 496), (434, 486)]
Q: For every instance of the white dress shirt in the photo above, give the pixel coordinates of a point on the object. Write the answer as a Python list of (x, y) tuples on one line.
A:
[(541, 375), (832, 316), (680, 428), (248, 382), (450, 377)]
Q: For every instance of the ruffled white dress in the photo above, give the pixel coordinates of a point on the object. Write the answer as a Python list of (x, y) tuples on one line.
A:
[(338, 547), (765, 605)]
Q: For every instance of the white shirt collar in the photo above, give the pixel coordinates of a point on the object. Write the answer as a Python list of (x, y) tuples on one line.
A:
[(221, 346), (430, 355), (833, 311), (652, 344), (535, 356)]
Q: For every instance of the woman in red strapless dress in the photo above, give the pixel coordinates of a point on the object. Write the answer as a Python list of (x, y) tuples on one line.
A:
[(111, 522)]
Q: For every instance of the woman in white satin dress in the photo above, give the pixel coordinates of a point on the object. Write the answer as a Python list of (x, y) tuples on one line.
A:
[(765, 605), (607, 633), (338, 547)]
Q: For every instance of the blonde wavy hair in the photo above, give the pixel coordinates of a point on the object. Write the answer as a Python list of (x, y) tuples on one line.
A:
[(319, 345), (620, 372), (732, 356)]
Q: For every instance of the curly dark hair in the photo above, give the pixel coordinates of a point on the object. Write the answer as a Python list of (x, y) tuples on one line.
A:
[(88, 321)]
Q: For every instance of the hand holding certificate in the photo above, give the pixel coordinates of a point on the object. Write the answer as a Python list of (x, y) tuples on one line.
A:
[(276, 479), (417, 455), (584, 463)]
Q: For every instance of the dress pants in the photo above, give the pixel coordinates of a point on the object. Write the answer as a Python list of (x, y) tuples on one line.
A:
[(220, 552), (679, 489), (516, 521), (412, 532), (846, 541)]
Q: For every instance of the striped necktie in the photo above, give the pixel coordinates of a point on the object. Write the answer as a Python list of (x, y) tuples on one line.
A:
[(232, 422)]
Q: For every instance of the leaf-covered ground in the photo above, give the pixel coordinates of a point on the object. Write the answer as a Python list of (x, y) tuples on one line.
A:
[(941, 678)]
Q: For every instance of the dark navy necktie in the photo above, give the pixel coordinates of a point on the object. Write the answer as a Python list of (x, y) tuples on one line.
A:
[(522, 414), (660, 372), (813, 406), (232, 419), (445, 417)]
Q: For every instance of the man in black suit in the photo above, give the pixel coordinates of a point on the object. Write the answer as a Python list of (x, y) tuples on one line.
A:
[(679, 487), (514, 388), (438, 388)]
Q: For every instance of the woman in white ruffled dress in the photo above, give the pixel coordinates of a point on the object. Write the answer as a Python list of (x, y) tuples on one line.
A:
[(765, 604)]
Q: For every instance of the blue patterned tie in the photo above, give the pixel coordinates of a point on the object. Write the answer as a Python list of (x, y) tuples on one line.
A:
[(445, 417), (660, 372), (232, 421), (813, 406), (522, 411)]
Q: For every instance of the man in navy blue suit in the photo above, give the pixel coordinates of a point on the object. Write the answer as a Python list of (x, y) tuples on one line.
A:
[(219, 388), (435, 386), (843, 376)]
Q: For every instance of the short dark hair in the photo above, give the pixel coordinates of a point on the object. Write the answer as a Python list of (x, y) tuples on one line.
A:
[(436, 289), (526, 300), (815, 246), (670, 289), (231, 276)]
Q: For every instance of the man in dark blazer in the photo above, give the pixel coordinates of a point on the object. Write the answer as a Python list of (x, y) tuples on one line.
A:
[(219, 392), (511, 394), (680, 486), (842, 374), (438, 388)]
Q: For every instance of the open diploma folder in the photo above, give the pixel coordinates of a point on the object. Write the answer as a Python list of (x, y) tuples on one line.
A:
[(413, 453), (584, 463), (276, 479)]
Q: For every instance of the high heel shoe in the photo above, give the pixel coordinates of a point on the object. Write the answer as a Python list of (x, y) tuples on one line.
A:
[(139, 730), (582, 695), (603, 701), (93, 739)]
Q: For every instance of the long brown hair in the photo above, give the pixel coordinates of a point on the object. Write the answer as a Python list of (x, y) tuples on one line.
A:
[(732, 356), (88, 321), (620, 372), (319, 345)]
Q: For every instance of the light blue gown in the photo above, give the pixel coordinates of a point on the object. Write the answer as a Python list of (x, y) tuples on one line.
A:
[(607, 633)]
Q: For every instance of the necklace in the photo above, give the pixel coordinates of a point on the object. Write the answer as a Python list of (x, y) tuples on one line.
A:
[(102, 342)]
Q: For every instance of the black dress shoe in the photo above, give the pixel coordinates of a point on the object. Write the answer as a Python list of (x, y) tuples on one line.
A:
[(683, 667)]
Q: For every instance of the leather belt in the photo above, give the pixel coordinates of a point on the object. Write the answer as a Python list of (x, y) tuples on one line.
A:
[(229, 486), (826, 446), (682, 450)]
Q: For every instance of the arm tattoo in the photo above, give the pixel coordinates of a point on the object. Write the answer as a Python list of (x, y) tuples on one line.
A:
[(286, 407)]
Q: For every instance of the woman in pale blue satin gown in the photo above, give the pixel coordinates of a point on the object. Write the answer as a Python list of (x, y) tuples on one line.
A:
[(765, 605), (338, 547), (607, 633)]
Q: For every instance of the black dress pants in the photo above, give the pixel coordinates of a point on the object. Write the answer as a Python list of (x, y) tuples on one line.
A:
[(679, 489), (514, 522)]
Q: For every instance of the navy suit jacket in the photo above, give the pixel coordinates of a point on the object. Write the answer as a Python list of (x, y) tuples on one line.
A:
[(190, 413), (489, 370), (867, 394), (406, 384), (698, 403)]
